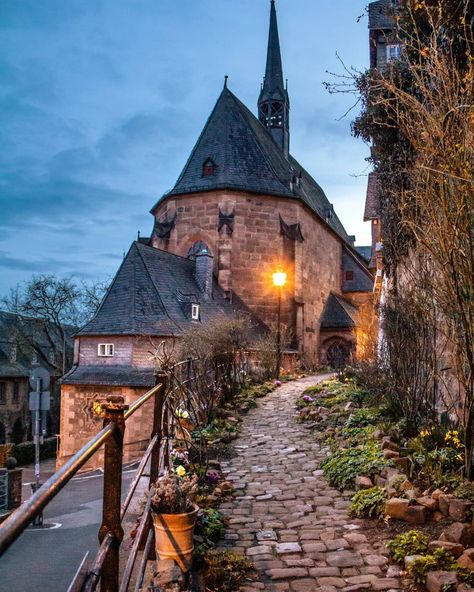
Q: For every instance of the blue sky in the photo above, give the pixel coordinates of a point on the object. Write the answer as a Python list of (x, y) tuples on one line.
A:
[(101, 102)]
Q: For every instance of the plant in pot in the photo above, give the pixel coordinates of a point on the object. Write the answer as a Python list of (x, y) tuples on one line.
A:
[(174, 515)]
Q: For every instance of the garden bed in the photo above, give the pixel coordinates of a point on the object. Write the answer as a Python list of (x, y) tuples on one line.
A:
[(402, 482)]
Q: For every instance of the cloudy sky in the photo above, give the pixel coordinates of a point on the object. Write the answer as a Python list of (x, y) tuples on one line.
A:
[(103, 100)]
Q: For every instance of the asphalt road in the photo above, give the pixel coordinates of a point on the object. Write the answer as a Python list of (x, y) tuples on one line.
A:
[(45, 560)]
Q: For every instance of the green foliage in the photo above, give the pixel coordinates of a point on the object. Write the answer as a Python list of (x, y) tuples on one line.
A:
[(25, 452), (225, 571), (368, 503), (465, 491), (440, 560), (209, 529), (412, 542), (342, 467), (363, 417), (314, 390), (354, 436), (217, 429)]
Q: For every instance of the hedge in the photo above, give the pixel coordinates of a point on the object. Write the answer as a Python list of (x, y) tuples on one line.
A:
[(25, 452)]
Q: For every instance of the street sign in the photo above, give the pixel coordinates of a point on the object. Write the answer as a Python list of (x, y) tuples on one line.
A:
[(41, 373), (40, 401)]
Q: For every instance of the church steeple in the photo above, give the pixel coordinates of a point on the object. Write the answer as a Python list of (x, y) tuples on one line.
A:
[(273, 102)]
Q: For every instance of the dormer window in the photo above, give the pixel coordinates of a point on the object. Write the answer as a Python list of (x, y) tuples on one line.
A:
[(209, 168), (105, 350), (195, 312)]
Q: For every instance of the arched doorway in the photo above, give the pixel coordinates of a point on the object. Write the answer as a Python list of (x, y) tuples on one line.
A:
[(17, 432), (338, 354)]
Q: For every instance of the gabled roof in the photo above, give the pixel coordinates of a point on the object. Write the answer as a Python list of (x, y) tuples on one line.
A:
[(365, 252), (248, 159), (362, 280), (381, 15), (338, 313), (150, 295)]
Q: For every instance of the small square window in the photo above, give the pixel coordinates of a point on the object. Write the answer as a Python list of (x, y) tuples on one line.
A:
[(106, 350), (195, 312), (349, 276), (393, 52)]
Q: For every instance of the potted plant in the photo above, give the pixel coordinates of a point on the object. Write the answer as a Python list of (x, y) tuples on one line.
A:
[(174, 515)]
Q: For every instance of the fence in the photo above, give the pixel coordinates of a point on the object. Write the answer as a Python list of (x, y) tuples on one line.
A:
[(199, 385)]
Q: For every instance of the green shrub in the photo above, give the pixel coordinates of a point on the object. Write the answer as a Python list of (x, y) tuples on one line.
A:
[(225, 571), (25, 452), (440, 560), (363, 417), (413, 542), (355, 436), (313, 390), (209, 529), (465, 491), (342, 467), (368, 503)]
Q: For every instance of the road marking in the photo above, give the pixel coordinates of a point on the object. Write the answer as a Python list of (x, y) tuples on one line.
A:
[(51, 526)]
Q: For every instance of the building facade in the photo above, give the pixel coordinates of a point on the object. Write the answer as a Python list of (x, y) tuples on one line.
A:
[(242, 208)]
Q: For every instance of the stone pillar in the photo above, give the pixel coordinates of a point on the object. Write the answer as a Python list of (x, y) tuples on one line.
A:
[(14, 488)]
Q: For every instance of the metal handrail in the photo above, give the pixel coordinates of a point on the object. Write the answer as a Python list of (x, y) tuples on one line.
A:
[(17, 522)]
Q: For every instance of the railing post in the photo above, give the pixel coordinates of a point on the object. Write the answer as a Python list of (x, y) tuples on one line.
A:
[(113, 410), (161, 378)]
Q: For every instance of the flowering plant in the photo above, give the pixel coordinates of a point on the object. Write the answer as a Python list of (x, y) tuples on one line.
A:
[(182, 413), (174, 494)]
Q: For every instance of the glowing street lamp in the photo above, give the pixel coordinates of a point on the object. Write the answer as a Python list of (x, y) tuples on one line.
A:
[(279, 281)]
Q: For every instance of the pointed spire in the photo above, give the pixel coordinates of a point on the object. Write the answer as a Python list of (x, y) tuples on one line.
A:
[(274, 70), (273, 102)]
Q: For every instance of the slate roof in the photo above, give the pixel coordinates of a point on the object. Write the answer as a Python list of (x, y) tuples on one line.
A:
[(273, 85), (372, 204), (150, 295), (110, 376), (362, 280), (380, 15), (338, 313), (365, 252), (248, 159)]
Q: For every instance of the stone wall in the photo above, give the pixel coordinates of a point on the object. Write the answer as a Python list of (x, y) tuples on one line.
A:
[(128, 351), (78, 425), (245, 258)]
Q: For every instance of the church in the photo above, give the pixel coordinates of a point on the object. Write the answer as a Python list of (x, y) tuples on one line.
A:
[(242, 208)]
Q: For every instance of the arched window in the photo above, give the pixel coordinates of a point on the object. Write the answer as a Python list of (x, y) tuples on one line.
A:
[(209, 168)]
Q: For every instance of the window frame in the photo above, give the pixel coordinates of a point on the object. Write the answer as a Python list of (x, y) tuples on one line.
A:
[(108, 350), (388, 48)]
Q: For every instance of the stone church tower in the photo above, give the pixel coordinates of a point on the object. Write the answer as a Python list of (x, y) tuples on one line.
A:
[(255, 208)]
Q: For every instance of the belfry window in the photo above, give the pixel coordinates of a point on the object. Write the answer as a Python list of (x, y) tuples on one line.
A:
[(209, 168)]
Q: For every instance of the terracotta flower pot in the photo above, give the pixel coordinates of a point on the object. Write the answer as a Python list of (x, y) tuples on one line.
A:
[(174, 537)]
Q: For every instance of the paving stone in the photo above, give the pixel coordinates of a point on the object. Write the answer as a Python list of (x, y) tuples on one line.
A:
[(286, 518), (344, 559)]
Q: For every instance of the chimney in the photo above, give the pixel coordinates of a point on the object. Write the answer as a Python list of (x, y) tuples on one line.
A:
[(203, 272)]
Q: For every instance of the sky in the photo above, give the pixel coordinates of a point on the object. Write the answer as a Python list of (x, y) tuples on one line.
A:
[(101, 102)]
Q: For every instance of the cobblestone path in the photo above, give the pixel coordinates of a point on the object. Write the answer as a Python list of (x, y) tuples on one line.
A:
[(286, 518)]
